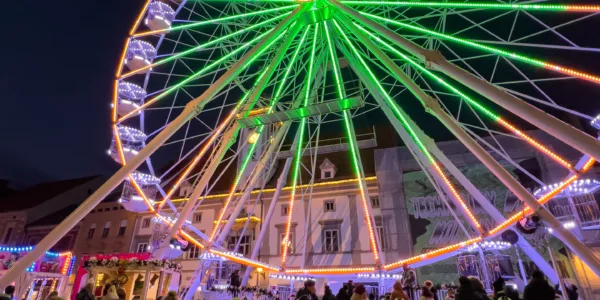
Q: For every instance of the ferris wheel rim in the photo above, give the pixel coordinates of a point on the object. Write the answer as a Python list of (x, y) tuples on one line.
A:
[(438, 45)]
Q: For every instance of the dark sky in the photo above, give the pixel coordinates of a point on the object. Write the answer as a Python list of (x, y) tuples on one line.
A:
[(58, 62)]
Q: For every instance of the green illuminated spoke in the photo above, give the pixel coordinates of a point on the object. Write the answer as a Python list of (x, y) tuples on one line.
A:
[(204, 70), (499, 6), (430, 74), (260, 129), (298, 154), (213, 21), (391, 103), (497, 51), (208, 44)]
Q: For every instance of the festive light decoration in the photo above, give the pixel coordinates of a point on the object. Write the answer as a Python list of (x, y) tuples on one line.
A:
[(576, 188), (297, 159), (143, 179), (293, 278), (432, 254), (406, 125), (217, 20), (160, 10), (142, 49), (457, 196), (353, 148), (287, 188), (208, 44), (567, 225), (596, 122), (378, 275), (330, 270), (246, 261), (489, 245), (519, 215), (508, 54), (501, 6), (259, 131), (131, 134), (253, 219), (536, 144), (131, 91), (475, 104)]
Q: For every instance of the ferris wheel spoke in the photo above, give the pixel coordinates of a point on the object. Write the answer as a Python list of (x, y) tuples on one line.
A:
[(553, 28), (419, 94), (481, 5), (208, 44), (195, 75), (252, 99), (475, 104), (355, 157), (217, 20), (511, 55), (372, 82)]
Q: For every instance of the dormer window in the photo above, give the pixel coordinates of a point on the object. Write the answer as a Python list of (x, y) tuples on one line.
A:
[(185, 189), (328, 169)]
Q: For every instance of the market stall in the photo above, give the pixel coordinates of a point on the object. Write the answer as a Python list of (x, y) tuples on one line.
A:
[(48, 273), (140, 276)]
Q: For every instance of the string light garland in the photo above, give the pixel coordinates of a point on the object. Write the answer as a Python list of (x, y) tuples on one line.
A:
[(330, 270), (432, 254), (245, 261)]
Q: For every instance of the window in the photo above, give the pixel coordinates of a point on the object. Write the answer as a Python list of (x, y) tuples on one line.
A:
[(331, 240), (329, 205), (7, 235), (106, 229), (122, 228), (374, 202), (198, 218), (193, 252), (244, 247), (142, 247), (285, 209), (91, 231), (290, 243), (327, 175), (381, 234), (146, 223)]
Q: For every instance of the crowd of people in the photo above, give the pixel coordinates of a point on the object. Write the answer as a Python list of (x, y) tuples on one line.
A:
[(470, 288)]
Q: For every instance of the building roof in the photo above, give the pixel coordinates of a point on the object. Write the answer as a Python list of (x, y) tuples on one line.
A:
[(37, 194), (55, 217)]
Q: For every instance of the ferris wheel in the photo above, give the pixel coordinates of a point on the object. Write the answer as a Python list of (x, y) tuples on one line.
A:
[(206, 87)]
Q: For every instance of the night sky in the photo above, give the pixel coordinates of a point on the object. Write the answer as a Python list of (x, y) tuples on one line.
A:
[(59, 59)]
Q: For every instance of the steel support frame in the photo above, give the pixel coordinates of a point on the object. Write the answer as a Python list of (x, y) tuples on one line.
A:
[(352, 136), (192, 109), (555, 127), (522, 109), (408, 83), (266, 220), (477, 195), (227, 140), (229, 137)]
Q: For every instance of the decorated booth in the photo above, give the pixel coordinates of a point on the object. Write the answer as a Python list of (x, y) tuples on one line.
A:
[(137, 273), (48, 273)]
